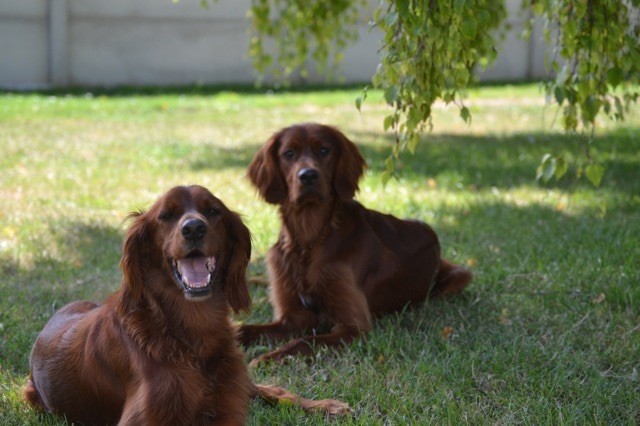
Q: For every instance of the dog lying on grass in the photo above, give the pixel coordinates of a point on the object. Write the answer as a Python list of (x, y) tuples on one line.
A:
[(336, 264), (161, 349)]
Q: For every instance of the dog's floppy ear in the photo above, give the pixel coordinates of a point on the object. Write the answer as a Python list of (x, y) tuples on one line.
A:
[(234, 281), (349, 168), (135, 254), (264, 172)]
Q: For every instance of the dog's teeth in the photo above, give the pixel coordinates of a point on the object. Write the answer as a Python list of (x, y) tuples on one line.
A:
[(211, 264), (195, 272)]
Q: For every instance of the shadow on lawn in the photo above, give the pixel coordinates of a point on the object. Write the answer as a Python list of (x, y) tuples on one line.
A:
[(477, 161), (506, 161), (523, 257), (533, 253), (216, 158), (85, 266)]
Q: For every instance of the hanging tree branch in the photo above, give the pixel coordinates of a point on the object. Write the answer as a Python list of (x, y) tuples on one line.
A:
[(431, 50)]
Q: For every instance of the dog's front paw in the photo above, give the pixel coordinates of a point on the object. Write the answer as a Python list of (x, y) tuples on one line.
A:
[(267, 358)]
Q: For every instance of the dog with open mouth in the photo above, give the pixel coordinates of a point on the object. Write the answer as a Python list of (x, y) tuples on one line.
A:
[(162, 348)]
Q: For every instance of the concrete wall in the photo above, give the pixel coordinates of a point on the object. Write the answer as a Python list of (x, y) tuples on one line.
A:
[(45, 43), (23, 42)]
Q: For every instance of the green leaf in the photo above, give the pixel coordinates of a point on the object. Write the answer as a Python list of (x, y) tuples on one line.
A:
[(389, 164), (469, 28), (537, 7), (571, 94), (558, 93), (391, 94), (388, 122), (388, 170), (414, 139), (614, 76), (448, 97), (461, 76), (413, 119), (619, 108), (391, 18), (465, 114), (590, 108), (385, 177), (569, 117), (594, 173), (547, 168), (561, 167)]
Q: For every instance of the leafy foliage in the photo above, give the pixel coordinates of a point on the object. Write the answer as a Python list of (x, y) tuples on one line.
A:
[(596, 63), (430, 52), (431, 49), (319, 29)]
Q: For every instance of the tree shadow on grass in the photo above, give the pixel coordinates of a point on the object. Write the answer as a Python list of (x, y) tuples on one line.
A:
[(217, 158), (507, 161), (525, 258), (528, 248), (85, 267), (479, 162)]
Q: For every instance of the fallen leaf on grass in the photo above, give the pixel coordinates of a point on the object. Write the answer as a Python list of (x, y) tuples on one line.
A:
[(446, 332), (504, 317)]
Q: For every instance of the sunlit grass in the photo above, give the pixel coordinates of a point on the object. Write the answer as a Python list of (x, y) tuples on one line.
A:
[(549, 332)]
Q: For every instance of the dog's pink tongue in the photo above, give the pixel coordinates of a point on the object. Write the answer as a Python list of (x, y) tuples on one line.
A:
[(194, 271)]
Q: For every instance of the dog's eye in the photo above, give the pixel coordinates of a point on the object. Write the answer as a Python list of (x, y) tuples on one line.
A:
[(324, 151), (288, 154), (166, 215), (212, 212)]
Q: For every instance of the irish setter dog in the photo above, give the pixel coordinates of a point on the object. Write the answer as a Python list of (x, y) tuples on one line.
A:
[(161, 349), (336, 264)]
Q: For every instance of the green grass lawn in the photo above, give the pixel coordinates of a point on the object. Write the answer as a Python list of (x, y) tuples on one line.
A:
[(548, 333)]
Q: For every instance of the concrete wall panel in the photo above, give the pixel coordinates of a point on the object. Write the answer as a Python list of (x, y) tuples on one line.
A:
[(161, 9), (10, 9), (23, 49), (145, 53), (162, 42)]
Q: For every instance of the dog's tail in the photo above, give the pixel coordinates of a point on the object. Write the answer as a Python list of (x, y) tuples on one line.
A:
[(32, 396), (277, 395), (450, 279)]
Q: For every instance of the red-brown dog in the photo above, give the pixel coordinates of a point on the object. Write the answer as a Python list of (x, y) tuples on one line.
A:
[(162, 349), (336, 264)]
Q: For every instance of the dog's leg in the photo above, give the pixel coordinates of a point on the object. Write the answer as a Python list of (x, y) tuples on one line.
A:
[(297, 321), (277, 395), (304, 345), (350, 319), (275, 331)]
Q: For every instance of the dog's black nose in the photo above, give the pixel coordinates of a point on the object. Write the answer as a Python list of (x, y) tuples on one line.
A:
[(308, 176), (194, 229)]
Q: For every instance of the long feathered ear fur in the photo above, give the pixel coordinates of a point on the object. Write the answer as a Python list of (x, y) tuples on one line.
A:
[(265, 174), (349, 169), (234, 282), (135, 255)]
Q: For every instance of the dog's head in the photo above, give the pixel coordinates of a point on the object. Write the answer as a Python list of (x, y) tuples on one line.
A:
[(188, 242), (307, 164)]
